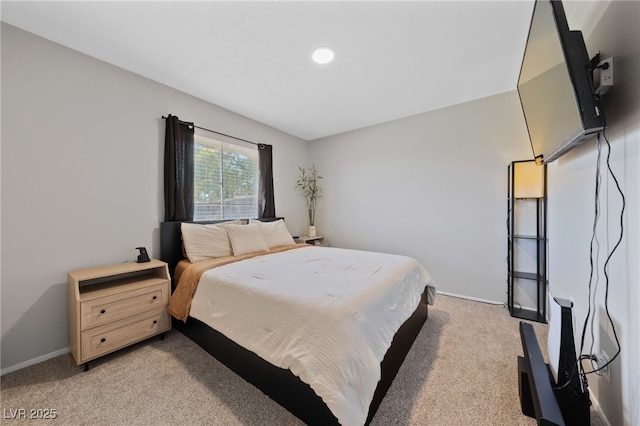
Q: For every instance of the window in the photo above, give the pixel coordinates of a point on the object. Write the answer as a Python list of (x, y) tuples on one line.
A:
[(225, 180)]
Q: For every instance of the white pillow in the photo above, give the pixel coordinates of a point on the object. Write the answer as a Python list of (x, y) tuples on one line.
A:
[(246, 239), (275, 233), (205, 241)]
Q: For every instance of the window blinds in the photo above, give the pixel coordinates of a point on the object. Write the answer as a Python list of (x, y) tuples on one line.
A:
[(225, 180)]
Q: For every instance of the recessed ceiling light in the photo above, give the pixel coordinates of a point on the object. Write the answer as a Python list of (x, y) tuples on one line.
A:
[(323, 55)]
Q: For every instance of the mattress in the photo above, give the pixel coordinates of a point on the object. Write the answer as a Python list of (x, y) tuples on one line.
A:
[(327, 314)]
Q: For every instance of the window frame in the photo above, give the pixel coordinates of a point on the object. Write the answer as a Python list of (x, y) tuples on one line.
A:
[(226, 209)]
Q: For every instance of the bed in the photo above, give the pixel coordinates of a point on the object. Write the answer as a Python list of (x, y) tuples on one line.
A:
[(206, 290)]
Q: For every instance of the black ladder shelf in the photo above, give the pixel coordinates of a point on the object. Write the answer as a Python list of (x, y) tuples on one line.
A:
[(527, 283)]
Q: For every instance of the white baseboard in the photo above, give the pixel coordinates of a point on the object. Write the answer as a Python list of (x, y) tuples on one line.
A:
[(475, 299), (33, 361), (594, 401)]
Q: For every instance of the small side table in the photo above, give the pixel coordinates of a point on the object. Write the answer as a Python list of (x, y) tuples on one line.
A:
[(314, 241)]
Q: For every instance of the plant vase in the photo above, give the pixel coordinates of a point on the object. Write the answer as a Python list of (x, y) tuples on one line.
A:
[(307, 185)]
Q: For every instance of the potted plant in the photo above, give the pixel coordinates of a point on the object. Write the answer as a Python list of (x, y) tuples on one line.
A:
[(307, 185)]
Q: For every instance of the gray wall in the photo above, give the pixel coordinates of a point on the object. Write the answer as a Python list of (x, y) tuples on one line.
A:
[(571, 213), (431, 186), (82, 145)]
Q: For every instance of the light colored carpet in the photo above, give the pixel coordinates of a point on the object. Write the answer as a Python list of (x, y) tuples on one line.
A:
[(460, 371)]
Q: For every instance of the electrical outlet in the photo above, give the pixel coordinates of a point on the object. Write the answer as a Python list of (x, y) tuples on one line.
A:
[(604, 81), (602, 360)]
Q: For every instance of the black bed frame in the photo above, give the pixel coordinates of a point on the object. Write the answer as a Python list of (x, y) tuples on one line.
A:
[(280, 384)]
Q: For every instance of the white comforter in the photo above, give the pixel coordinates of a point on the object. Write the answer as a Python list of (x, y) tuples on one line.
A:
[(327, 314)]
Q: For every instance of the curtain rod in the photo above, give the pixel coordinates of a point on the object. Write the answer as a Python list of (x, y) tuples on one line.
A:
[(218, 133)]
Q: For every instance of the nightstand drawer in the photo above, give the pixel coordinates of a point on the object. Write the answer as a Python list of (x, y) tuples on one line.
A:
[(118, 334), (103, 310)]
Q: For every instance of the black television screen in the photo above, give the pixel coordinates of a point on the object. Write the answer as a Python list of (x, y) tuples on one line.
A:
[(555, 85)]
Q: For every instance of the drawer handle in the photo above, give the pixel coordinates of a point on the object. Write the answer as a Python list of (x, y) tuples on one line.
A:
[(155, 297), (155, 321), (103, 340), (103, 311)]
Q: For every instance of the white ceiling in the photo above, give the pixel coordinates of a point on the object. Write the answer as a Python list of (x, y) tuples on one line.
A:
[(393, 59)]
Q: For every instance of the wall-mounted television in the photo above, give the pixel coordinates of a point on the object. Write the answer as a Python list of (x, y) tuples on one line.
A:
[(555, 85)]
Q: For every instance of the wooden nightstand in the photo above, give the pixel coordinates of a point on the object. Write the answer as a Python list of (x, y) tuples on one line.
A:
[(114, 306), (314, 241)]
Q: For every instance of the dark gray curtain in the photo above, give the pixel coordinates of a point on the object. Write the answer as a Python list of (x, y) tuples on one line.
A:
[(266, 203), (178, 170)]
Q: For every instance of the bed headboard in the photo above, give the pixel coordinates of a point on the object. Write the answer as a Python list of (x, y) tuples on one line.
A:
[(171, 239)]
